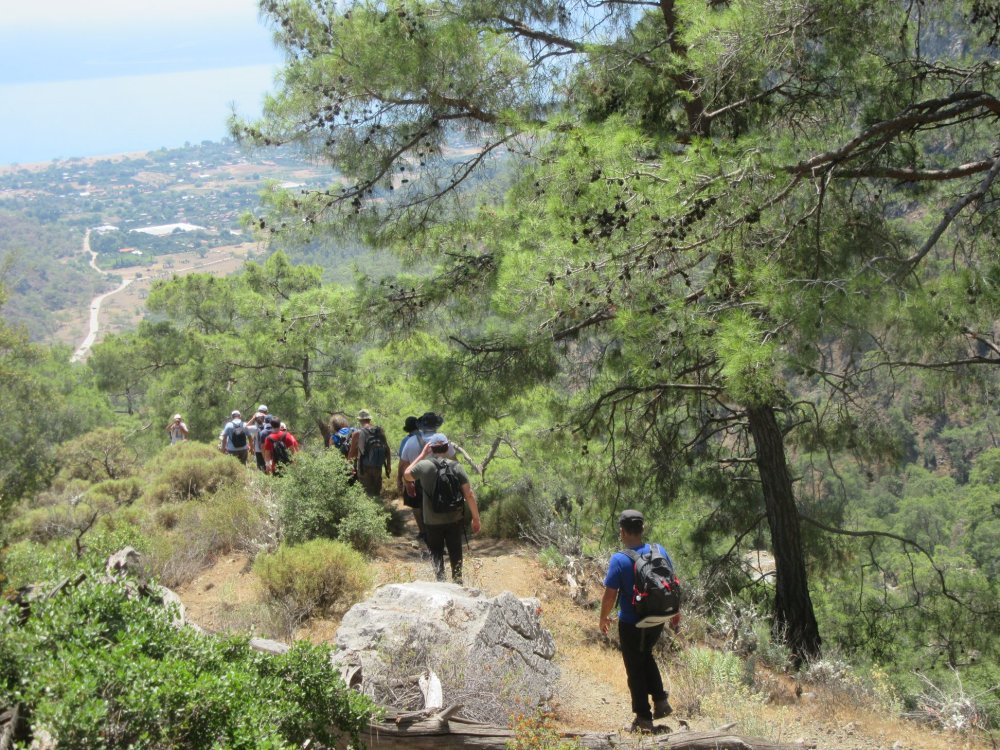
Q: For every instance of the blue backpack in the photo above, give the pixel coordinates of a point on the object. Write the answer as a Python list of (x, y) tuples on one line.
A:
[(341, 439)]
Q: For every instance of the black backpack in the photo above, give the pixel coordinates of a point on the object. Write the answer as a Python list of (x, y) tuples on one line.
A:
[(656, 594), (239, 435), (279, 451), (375, 448), (448, 495)]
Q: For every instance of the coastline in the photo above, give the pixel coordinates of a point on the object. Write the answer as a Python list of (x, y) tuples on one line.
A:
[(39, 166)]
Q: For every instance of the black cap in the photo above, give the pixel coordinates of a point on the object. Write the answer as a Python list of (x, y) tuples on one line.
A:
[(410, 424), (630, 518), (430, 421)]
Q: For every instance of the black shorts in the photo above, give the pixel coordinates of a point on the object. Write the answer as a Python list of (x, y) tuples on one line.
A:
[(417, 501)]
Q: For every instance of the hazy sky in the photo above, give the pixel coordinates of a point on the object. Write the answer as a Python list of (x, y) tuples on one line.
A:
[(58, 40), (87, 77), (48, 13)]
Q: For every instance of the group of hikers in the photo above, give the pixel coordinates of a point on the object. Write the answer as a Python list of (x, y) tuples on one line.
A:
[(428, 479), (640, 578), (264, 435)]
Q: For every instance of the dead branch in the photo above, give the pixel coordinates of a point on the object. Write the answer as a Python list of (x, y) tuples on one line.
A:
[(443, 731)]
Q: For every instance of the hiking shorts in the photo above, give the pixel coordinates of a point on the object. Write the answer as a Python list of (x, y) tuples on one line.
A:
[(416, 500)]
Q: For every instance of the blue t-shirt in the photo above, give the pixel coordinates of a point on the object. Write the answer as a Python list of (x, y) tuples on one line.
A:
[(403, 442), (621, 576)]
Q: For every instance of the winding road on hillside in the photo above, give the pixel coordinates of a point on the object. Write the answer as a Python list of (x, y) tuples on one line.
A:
[(95, 304)]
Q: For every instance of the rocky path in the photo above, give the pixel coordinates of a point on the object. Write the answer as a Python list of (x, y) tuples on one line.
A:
[(592, 694)]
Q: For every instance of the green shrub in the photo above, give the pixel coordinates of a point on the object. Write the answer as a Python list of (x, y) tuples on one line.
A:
[(26, 562), (505, 513), (118, 491), (98, 455), (188, 537), (552, 559), (317, 500), (313, 578), (96, 668), (190, 471)]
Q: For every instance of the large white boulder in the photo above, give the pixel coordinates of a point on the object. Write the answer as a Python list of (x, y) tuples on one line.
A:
[(491, 653)]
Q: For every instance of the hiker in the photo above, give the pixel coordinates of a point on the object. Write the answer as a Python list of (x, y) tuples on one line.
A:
[(413, 502), (637, 642), (177, 430), (427, 424), (341, 433), (254, 428), (369, 454), (233, 438), (443, 504), (279, 445)]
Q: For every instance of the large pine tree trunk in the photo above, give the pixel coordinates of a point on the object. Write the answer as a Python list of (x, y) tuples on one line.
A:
[(794, 618)]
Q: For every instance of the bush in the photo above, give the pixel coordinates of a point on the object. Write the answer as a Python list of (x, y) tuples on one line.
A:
[(118, 492), (98, 455), (505, 512), (316, 500), (190, 471), (26, 563), (192, 536), (95, 668), (313, 578)]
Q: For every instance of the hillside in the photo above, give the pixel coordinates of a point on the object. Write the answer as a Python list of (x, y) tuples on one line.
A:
[(592, 694), (147, 212)]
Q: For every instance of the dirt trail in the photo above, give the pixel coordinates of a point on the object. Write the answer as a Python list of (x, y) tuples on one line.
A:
[(592, 694)]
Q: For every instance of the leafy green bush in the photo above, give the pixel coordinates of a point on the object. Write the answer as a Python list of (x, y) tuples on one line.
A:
[(117, 491), (95, 668), (316, 577), (26, 562), (190, 471), (317, 500), (98, 455), (506, 512)]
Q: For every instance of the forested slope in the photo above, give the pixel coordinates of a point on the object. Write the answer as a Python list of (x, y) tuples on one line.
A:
[(735, 265)]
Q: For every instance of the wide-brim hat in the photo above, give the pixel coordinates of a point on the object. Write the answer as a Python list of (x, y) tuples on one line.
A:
[(430, 421)]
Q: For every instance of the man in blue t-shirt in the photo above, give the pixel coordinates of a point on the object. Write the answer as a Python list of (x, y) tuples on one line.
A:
[(637, 643)]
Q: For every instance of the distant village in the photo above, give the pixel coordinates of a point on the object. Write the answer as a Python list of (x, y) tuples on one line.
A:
[(139, 206)]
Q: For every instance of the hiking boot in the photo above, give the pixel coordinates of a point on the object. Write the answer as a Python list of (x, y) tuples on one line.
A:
[(641, 725), (662, 708)]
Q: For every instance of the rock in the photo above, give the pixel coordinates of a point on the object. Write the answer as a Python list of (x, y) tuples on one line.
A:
[(476, 644), (128, 561), (169, 598), (268, 646)]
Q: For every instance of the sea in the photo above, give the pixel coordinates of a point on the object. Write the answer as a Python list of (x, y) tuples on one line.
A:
[(45, 121)]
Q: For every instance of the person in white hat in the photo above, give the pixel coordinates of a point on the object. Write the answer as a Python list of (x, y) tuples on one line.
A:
[(234, 439), (177, 430)]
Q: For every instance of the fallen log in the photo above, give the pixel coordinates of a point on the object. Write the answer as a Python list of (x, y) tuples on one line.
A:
[(443, 731)]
